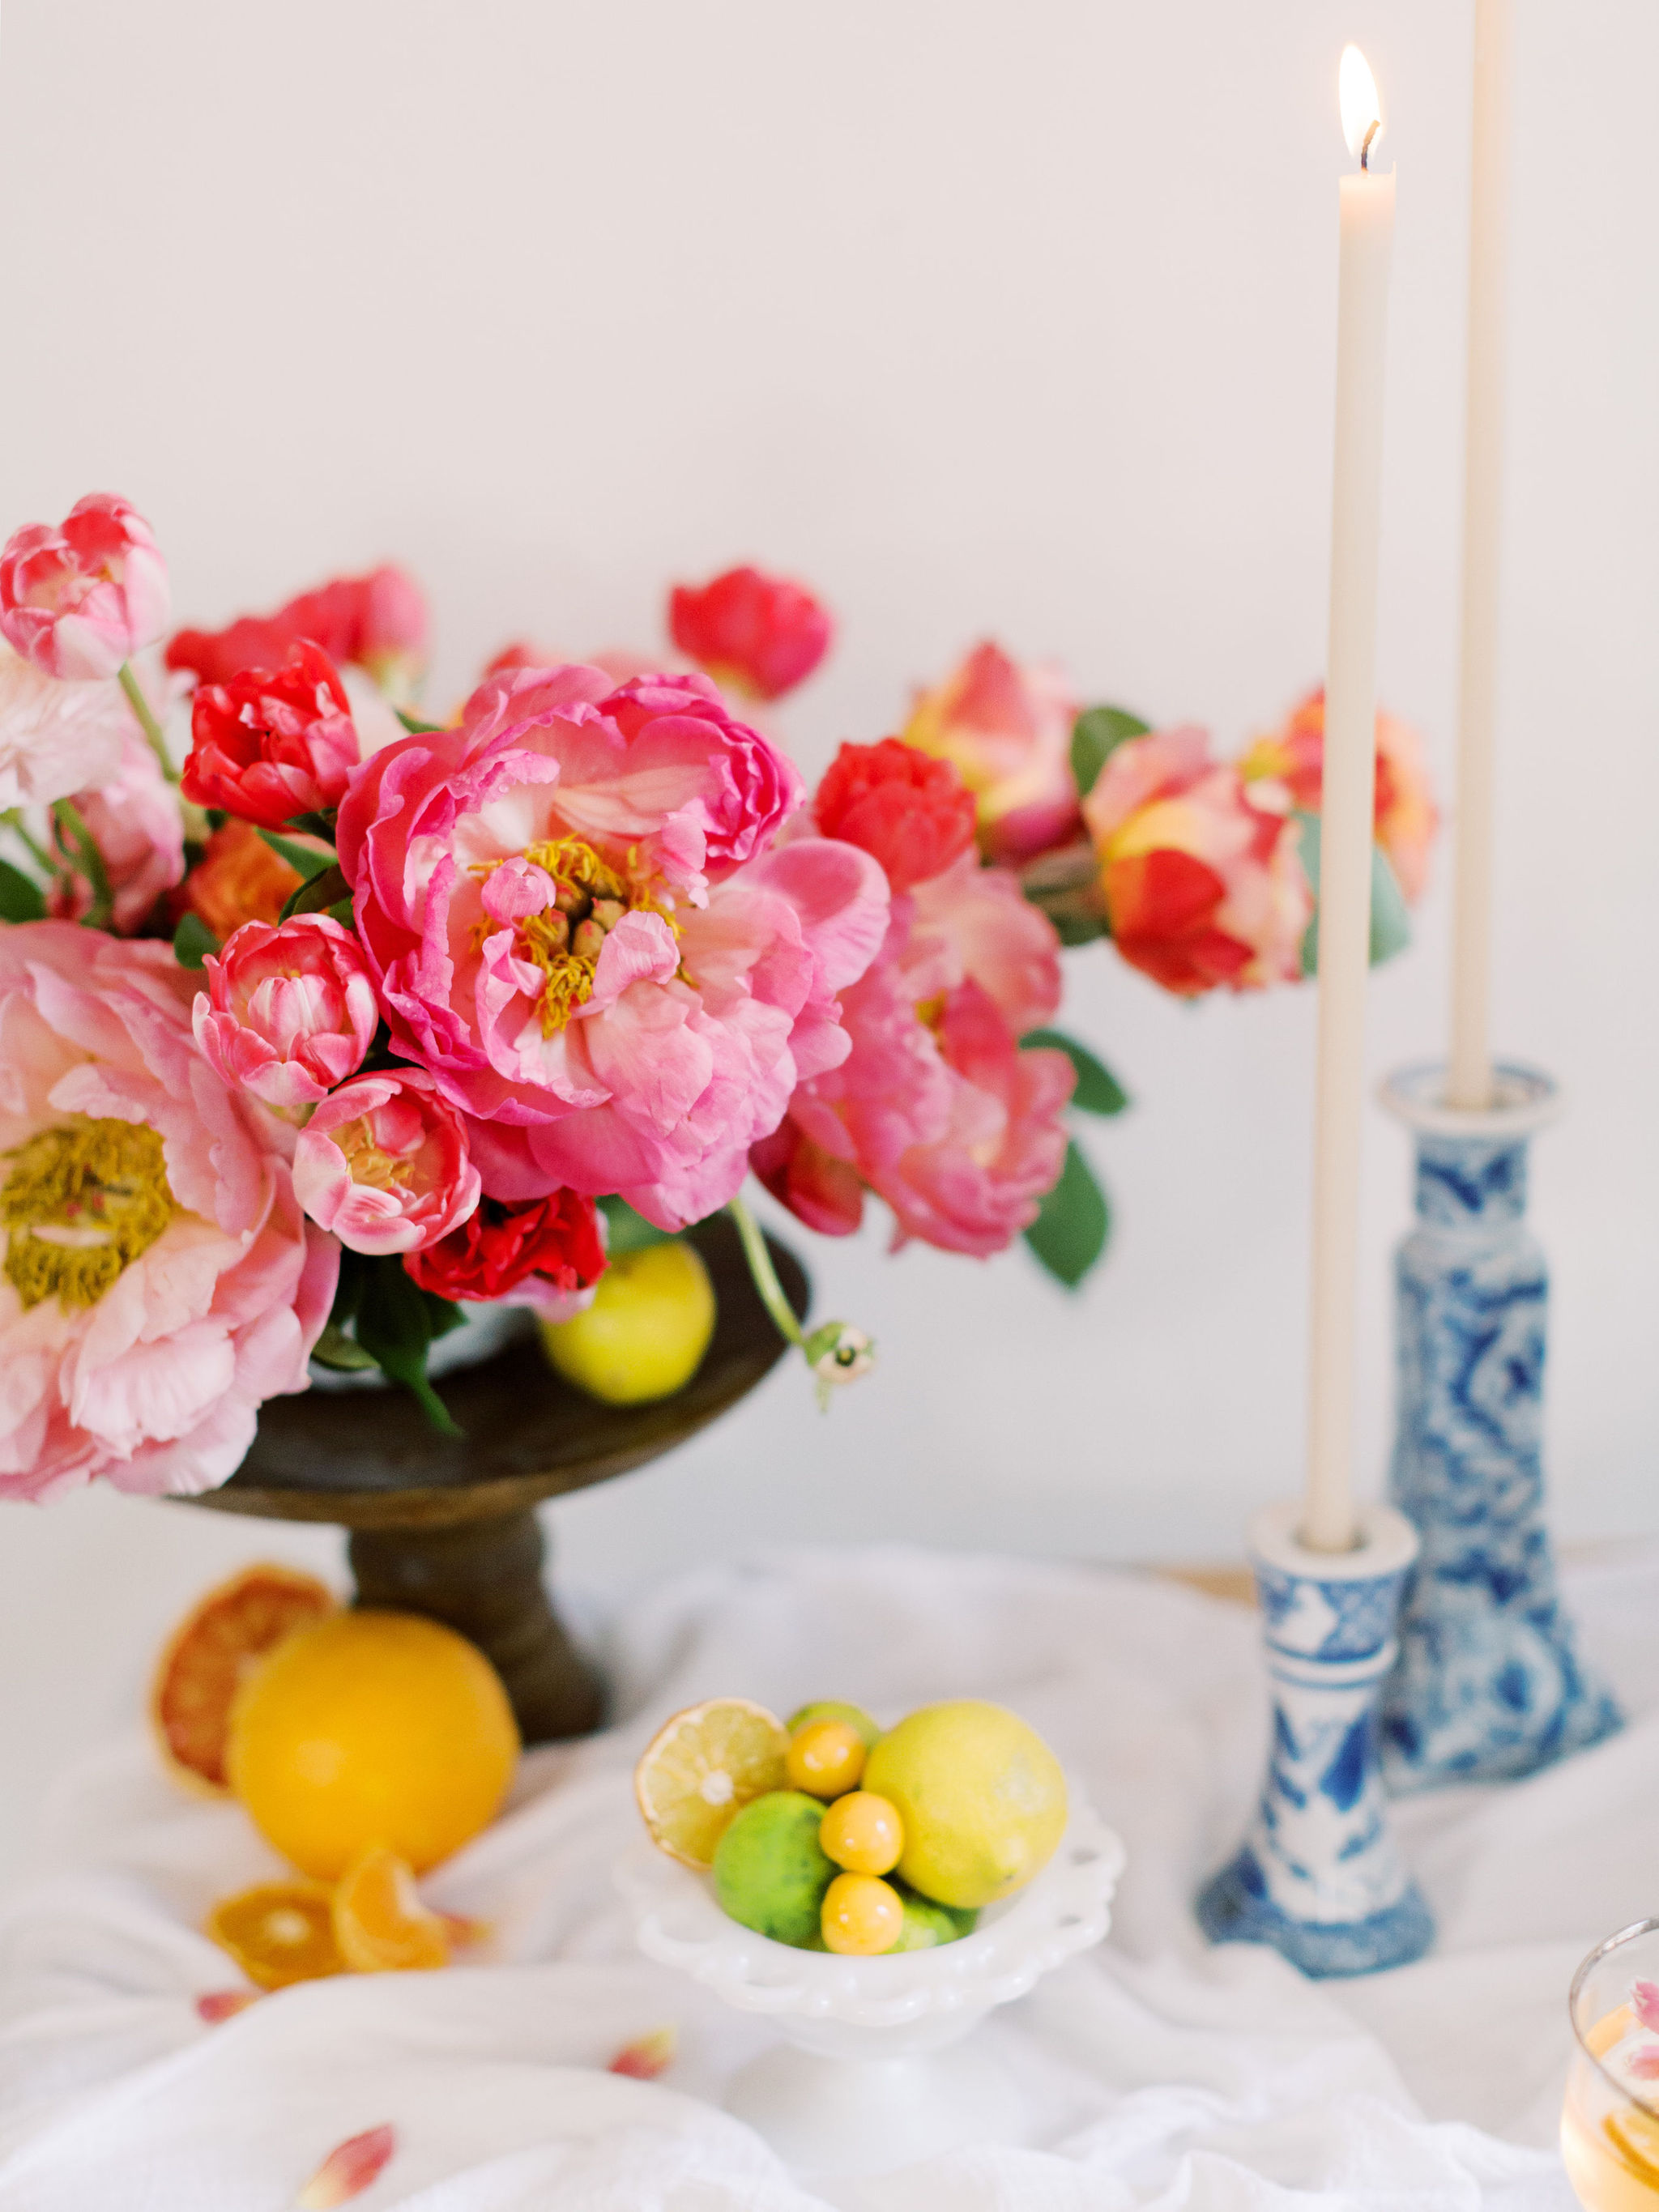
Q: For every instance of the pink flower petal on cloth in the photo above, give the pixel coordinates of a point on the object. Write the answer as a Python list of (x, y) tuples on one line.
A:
[(348, 2170), (1645, 2064), (647, 2055), (215, 2005), (1644, 2002)]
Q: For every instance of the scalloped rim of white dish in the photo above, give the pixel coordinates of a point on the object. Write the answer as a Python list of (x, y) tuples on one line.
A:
[(1064, 1910)]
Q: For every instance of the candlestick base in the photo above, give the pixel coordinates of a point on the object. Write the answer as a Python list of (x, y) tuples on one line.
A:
[(1488, 1685), (1318, 1875)]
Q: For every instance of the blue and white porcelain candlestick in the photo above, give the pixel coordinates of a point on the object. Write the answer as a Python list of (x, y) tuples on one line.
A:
[(1488, 1685), (1318, 1875)]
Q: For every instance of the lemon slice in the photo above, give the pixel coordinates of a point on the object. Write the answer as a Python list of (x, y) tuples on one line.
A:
[(701, 1768)]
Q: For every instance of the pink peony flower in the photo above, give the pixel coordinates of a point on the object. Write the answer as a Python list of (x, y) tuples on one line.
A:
[(383, 1163), (288, 1011), (757, 635), (573, 920), (135, 823), (1406, 816), (56, 738), (1203, 887), (1008, 729), (160, 1279), (936, 1107), (81, 598)]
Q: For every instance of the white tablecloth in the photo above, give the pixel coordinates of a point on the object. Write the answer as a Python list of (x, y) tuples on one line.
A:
[(1172, 2076)]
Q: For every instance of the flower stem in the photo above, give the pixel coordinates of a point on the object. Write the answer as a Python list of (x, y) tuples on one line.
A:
[(763, 1273), (14, 821), (146, 721), (73, 831)]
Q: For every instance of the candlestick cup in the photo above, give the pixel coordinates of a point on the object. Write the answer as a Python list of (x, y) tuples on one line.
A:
[(1318, 1875), (1488, 1685)]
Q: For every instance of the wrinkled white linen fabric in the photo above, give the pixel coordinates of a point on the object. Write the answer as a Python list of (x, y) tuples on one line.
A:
[(1170, 2077)]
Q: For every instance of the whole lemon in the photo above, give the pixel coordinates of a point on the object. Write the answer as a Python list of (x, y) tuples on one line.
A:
[(645, 1333), (372, 1728), (981, 1795)]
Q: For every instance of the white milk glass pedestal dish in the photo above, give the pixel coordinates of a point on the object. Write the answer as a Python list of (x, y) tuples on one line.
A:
[(873, 2073)]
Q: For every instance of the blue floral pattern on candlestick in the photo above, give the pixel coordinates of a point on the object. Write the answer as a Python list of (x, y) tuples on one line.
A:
[(1488, 1685)]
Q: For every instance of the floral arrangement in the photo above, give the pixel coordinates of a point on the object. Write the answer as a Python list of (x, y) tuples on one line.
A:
[(323, 1020)]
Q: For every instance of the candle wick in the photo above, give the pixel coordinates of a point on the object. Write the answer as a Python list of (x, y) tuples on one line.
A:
[(1365, 150)]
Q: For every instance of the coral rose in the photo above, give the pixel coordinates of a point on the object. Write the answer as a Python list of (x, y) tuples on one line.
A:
[(1008, 730), (1202, 885), (546, 1253), (378, 622), (383, 1163), (757, 635), (907, 811), (288, 1012), (573, 921), (160, 1279), (80, 598), (238, 879), (1406, 816), (272, 743), (56, 738), (936, 1107), (133, 819)]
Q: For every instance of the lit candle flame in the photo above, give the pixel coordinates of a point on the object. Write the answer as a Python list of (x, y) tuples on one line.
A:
[(1362, 111)]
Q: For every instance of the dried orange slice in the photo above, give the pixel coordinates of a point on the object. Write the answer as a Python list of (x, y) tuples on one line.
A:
[(380, 1922), (278, 1932), (212, 1651), (701, 1768)]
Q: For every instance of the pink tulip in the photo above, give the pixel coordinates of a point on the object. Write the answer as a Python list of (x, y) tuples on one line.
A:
[(81, 598), (1008, 730), (383, 1163), (288, 1012)]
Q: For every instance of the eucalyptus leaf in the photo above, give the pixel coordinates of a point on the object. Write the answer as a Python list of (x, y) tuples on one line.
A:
[(193, 941), (304, 860), (22, 898), (1096, 736), (1071, 1231), (1098, 1090)]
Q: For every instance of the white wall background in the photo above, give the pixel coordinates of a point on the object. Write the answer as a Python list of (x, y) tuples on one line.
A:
[(980, 319)]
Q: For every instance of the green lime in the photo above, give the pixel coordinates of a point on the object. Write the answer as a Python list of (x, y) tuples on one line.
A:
[(770, 1871), (828, 1709), (926, 1925)]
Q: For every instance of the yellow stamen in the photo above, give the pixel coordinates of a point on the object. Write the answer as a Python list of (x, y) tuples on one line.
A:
[(545, 938), (82, 1202)]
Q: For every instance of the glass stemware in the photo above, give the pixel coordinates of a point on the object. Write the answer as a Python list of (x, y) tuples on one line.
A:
[(1610, 2121)]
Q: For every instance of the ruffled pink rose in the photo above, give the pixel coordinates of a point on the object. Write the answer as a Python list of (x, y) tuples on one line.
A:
[(56, 738), (134, 821), (79, 598), (289, 1011), (159, 1280), (1008, 729), (936, 1107), (383, 1163), (573, 921), (1203, 886)]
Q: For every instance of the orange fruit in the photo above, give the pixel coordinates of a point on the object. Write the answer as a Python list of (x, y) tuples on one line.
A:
[(826, 1758), (372, 1728), (701, 1768), (278, 1932), (209, 1656), (861, 1916), (380, 1922)]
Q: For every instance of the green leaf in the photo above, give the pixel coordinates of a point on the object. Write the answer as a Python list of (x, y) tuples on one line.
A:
[(630, 1231), (304, 858), (323, 891), (22, 898), (334, 1348), (414, 726), (1070, 1233), (1065, 884), (342, 912), (1098, 1090), (394, 1327), (1096, 736), (318, 825), (193, 941), (442, 1314), (1391, 921)]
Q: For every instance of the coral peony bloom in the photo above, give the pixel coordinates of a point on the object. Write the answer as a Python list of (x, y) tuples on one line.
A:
[(1008, 729), (936, 1107), (56, 738), (757, 635), (238, 879), (376, 623), (908, 811), (80, 599), (133, 819), (1203, 887), (288, 1012), (573, 921), (546, 1253), (383, 1163), (1406, 816), (160, 1279), (272, 743)]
